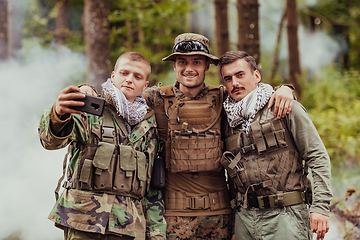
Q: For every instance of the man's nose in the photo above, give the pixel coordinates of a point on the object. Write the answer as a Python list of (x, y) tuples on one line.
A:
[(189, 67), (130, 78), (234, 82)]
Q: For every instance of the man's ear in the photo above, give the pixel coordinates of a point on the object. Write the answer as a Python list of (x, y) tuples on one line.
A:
[(207, 65), (146, 85), (257, 76), (112, 75), (174, 64)]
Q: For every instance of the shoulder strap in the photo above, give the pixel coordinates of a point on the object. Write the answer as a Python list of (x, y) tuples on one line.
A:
[(166, 91), (150, 113), (70, 148)]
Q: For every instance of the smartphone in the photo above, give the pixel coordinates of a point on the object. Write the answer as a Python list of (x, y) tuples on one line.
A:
[(93, 105)]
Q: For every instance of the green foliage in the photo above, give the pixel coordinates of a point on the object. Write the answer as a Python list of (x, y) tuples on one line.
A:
[(333, 103), (148, 27), (39, 22)]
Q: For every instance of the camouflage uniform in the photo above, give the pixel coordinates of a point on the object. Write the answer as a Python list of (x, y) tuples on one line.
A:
[(193, 225), (102, 213)]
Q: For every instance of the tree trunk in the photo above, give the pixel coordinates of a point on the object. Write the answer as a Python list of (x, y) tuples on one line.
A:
[(222, 29), (15, 21), (3, 29), (97, 38), (277, 50), (62, 21), (248, 27), (194, 18), (293, 45)]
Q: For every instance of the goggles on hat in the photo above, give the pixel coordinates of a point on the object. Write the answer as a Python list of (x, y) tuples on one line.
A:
[(190, 46)]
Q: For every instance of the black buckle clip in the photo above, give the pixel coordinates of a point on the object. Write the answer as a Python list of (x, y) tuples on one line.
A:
[(248, 148)]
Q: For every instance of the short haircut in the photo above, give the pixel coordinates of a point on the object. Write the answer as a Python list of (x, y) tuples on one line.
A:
[(232, 56), (136, 57)]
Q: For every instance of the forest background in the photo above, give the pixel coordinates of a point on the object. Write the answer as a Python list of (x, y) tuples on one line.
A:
[(46, 45)]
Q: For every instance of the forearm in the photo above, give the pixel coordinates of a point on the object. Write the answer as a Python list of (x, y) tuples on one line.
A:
[(154, 205), (48, 138)]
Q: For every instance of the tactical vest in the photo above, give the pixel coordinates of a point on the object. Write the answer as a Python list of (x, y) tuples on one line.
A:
[(110, 166), (265, 164), (193, 141)]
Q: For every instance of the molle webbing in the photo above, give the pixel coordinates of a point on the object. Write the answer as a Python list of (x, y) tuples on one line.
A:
[(181, 201), (111, 167), (268, 155), (194, 142)]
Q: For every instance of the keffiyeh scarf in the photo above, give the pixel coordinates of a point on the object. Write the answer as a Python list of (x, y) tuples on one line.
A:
[(243, 111), (132, 113)]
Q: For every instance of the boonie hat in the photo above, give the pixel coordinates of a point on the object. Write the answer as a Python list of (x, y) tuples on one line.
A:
[(191, 44)]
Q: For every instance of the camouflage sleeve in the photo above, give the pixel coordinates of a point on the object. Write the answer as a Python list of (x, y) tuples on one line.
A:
[(154, 202), (55, 133), (152, 96)]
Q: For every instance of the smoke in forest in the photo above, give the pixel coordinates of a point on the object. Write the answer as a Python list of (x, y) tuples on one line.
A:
[(28, 172)]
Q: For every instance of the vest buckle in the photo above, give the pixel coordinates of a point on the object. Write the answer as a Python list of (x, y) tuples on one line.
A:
[(248, 148), (108, 132), (198, 202)]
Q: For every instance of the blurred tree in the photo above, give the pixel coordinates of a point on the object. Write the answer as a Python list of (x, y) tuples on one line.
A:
[(293, 46), (194, 19), (275, 63), (221, 29), (248, 27), (146, 26), (97, 39), (62, 21), (154, 25), (3, 29), (15, 25)]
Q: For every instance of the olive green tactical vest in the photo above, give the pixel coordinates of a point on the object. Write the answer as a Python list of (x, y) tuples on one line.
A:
[(266, 161), (193, 142), (110, 166)]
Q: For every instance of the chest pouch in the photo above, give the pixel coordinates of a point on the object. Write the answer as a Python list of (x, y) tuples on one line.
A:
[(131, 171)]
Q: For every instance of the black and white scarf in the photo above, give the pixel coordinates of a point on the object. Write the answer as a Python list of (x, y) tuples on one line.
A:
[(132, 113), (243, 111)]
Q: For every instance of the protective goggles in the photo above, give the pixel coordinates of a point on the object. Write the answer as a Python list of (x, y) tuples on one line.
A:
[(190, 46)]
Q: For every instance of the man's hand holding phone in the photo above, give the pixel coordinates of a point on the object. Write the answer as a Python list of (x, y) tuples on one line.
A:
[(71, 100)]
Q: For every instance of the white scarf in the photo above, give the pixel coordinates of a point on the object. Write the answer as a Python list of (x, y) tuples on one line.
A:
[(132, 113), (243, 111)]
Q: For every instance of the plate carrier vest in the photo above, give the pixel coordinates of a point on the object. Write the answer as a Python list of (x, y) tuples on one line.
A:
[(109, 166), (192, 138), (266, 164)]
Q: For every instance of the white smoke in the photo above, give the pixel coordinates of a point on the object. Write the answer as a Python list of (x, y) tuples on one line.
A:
[(29, 173)]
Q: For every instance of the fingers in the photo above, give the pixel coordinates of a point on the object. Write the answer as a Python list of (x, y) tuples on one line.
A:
[(319, 224), (66, 99), (233, 237), (87, 90), (271, 101)]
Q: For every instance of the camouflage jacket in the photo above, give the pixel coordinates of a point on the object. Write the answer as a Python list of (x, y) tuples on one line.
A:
[(102, 212)]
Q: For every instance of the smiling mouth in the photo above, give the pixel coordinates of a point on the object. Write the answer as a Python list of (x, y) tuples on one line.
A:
[(189, 76)]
